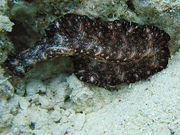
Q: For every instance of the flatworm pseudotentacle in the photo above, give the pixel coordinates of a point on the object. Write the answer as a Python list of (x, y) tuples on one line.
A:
[(104, 53)]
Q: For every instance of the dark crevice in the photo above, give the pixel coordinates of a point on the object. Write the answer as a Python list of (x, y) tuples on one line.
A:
[(20, 36), (32, 125), (130, 5)]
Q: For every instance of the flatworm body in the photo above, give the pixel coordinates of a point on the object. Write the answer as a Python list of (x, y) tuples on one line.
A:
[(104, 53)]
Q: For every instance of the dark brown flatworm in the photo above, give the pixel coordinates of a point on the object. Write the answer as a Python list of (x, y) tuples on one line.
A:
[(104, 53)]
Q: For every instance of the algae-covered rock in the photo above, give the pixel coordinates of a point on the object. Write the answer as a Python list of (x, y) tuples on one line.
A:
[(3, 6), (5, 47), (86, 99), (108, 10), (6, 89), (5, 24)]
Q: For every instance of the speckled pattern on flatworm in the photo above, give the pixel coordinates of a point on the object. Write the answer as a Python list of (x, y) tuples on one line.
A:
[(104, 53)]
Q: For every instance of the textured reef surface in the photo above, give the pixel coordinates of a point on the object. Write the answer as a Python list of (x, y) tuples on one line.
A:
[(103, 52)]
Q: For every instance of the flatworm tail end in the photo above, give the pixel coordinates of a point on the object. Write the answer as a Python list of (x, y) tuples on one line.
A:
[(54, 44), (19, 64), (14, 65)]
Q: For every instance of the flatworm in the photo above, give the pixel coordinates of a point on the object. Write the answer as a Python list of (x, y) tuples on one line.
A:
[(103, 52)]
